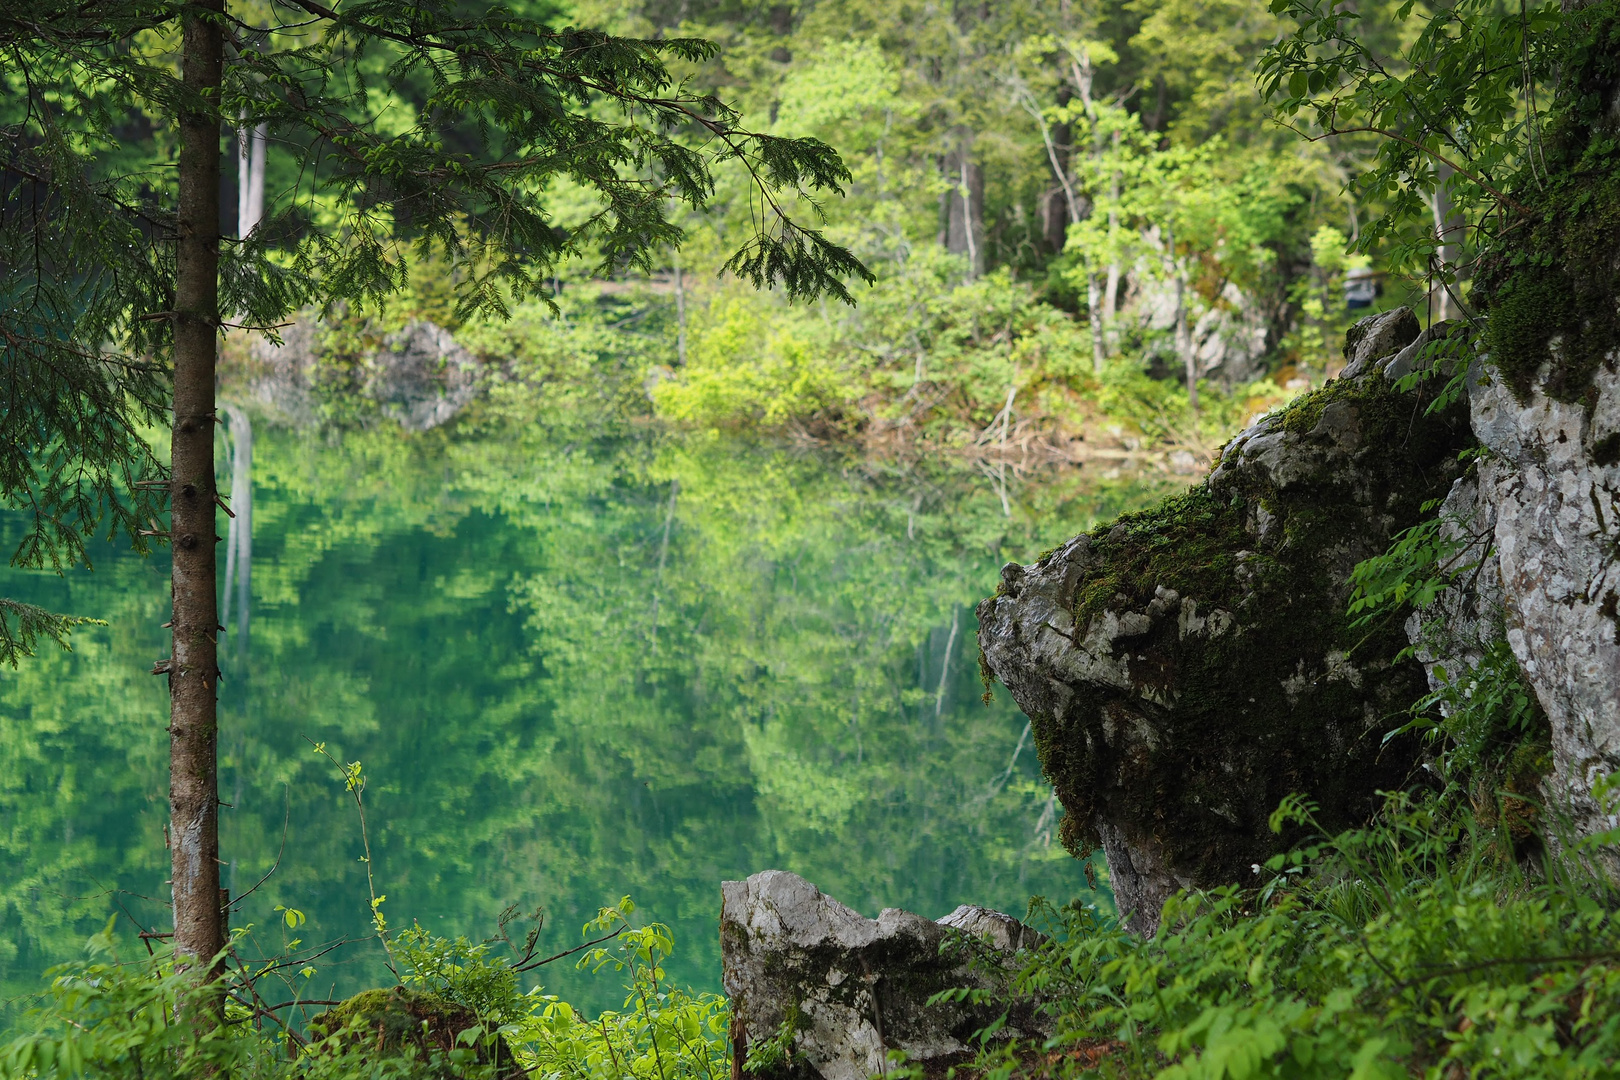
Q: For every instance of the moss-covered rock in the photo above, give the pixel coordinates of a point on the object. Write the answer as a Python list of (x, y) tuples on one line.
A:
[(819, 993), (424, 1028), (1187, 667)]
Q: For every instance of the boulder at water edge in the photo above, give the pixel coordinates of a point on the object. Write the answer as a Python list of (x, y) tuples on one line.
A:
[(817, 990), (1187, 668)]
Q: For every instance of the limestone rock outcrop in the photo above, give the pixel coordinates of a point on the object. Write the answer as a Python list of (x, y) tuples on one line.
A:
[(418, 376), (1551, 490), (1188, 667), (1230, 336), (817, 990)]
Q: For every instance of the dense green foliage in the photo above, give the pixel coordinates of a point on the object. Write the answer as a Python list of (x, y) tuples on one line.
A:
[(500, 104), (1029, 183), (1412, 947), (458, 1011)]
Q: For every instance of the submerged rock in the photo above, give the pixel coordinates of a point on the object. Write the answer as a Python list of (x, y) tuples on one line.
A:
[(817, 990), (1188, 667)]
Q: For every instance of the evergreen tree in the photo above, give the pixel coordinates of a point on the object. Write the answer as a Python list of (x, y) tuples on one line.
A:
[(114, 125)]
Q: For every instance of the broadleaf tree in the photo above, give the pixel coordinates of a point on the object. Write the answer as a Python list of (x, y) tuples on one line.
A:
[(115, 123)]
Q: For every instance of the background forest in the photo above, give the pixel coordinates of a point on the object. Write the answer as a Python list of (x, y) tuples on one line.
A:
[(1075, 216)]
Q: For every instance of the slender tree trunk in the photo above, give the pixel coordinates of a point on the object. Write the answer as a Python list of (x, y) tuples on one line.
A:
[(970, 199), (261, 140), (1447, 227), (1111, 287), (1183, 334), (250, 146), (1110, 308), (1098, 321), (199, 924), (244, 175), (963, 217), (680, 312)]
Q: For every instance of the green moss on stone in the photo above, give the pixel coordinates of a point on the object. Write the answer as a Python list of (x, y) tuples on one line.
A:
[(402, 1023), (1549, 282), (1234, 738)]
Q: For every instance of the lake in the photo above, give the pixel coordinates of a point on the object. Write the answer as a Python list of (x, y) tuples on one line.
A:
[(572, 668)]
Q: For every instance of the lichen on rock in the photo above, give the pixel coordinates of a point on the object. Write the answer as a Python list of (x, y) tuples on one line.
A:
[(1188, 667), (818, 991), (1552, 491)]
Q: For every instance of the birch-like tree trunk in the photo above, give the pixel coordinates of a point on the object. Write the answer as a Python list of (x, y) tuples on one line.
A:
[(1448, 226), (251, 143), (1183, 339)]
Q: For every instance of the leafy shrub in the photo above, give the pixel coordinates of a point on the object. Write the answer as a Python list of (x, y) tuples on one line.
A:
[(459, 1012), (1405, 948), (933, 355)]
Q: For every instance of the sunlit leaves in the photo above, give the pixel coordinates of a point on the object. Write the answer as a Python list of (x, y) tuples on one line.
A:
[(1464, 95)]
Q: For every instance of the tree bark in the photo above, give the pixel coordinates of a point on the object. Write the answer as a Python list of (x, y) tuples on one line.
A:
[(199, 925), (1448, 227), (1099, 352), (964, 207), (1183, 333)]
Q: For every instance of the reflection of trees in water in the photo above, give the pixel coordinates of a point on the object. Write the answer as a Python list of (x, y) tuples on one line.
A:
[(239, 535), (237, 585), (476, 623)]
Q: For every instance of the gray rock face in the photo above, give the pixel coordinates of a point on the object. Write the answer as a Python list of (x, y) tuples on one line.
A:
[(422, 377), (1552, 486), (419, 376), (1378, 337), (840, 991), (1229, 338), (1453, 632), (1188, 667)]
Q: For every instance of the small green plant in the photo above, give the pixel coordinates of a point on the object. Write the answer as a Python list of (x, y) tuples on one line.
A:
[(767, 1054), (661, 1033), (1406, 948), (460, 1011)]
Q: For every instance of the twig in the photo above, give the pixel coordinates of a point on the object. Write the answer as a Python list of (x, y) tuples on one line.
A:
[(286, 817), (569, 952), (1414, 144)]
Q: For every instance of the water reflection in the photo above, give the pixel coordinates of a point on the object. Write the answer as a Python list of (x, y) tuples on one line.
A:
[(239, 535), (572, 670)]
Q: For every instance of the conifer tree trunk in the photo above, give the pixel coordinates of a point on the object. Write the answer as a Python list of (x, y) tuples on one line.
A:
[(199, 930)]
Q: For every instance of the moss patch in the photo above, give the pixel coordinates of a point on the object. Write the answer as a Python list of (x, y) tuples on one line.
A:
[(411, 1024), (1550, 282), (1286, 696)]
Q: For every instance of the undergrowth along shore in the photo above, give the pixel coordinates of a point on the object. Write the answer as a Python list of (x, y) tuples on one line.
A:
[(1418, 946)]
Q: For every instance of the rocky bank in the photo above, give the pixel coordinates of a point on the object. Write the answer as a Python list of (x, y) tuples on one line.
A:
[(1186, 668)]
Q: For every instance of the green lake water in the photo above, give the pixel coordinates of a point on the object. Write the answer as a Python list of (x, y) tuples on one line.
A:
[(572, 670)]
